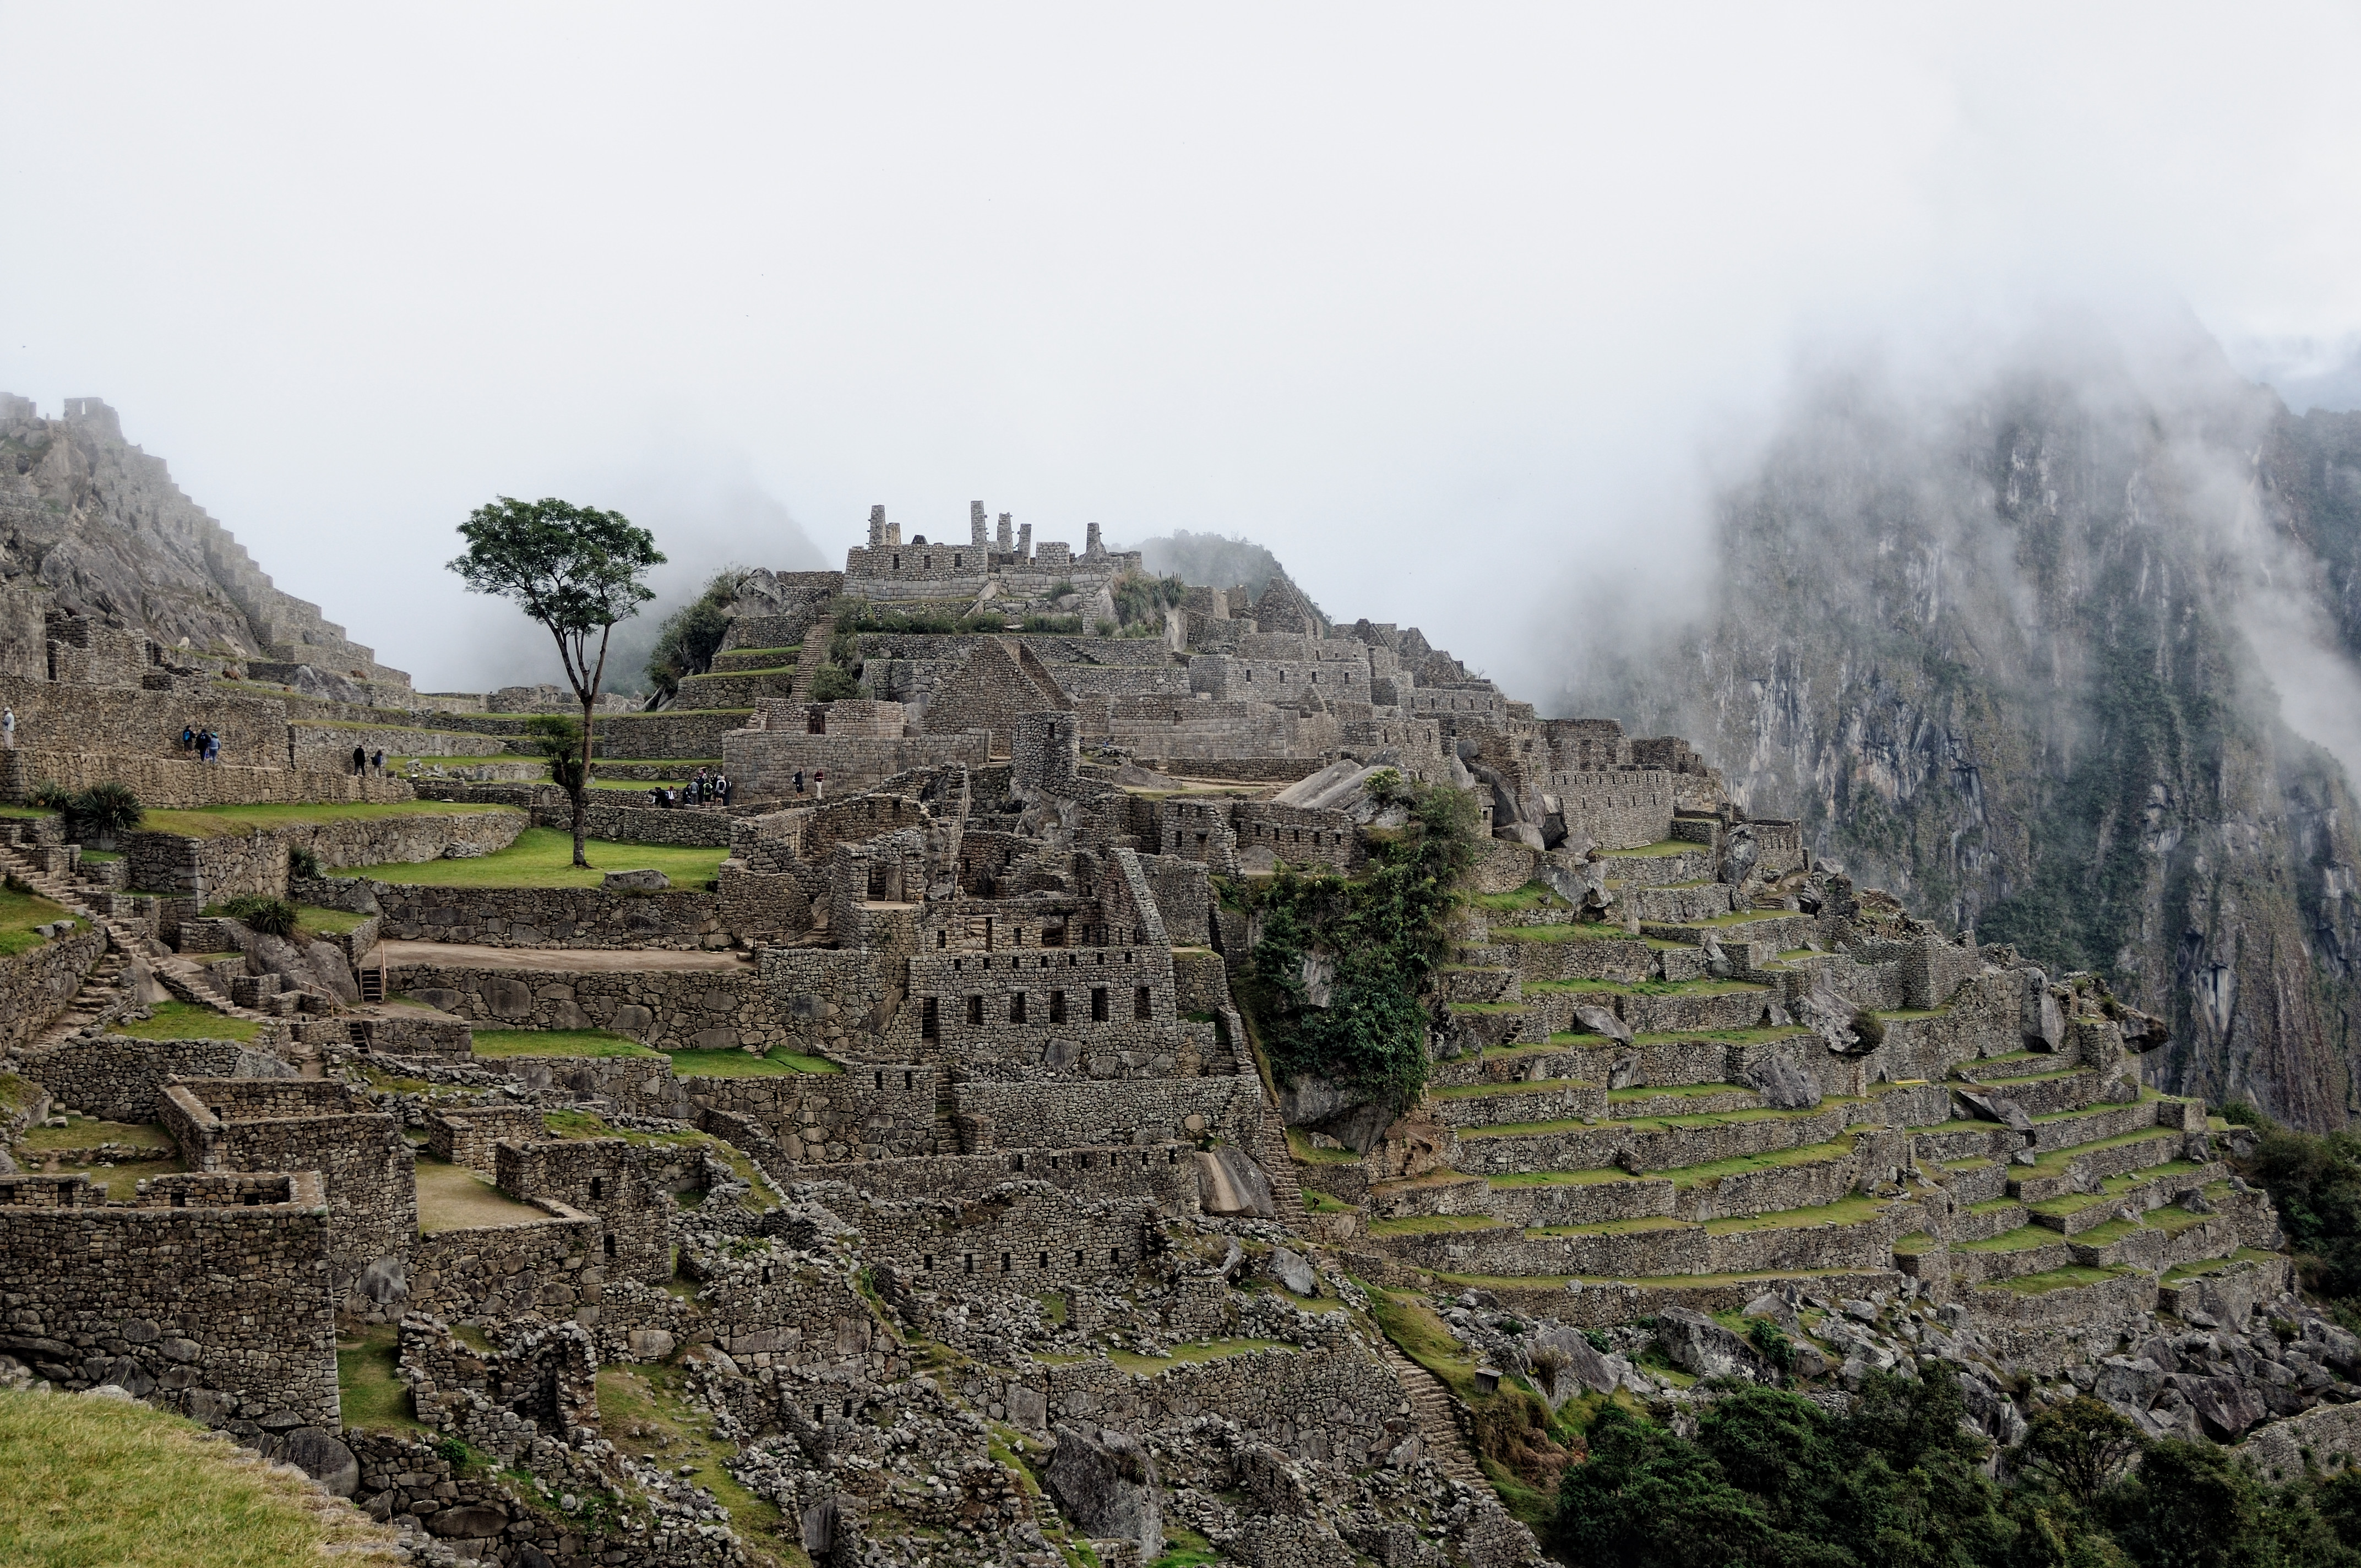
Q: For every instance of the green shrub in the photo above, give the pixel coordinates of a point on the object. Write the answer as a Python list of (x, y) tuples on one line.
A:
[(558, 742), (301, 862), (834, 683), (1385, 935), (270, 916), (1772, 1341), (51, 797)]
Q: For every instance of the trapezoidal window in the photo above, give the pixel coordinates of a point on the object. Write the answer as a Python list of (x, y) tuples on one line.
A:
[(1142, 1004), (1098, 1004), (930, 1021), (1017, 1007), (1057, 1007), (975, 1010)]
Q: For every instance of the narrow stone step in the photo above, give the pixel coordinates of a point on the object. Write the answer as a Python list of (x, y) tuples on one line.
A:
[(1436, 1415)]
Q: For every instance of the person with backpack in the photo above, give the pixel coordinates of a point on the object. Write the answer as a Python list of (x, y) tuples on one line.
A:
[(361, 760)]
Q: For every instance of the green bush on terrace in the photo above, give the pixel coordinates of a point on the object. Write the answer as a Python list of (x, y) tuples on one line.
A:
[(1386, 933)]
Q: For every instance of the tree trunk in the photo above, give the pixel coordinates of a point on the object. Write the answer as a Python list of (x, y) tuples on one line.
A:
[(581, 791)]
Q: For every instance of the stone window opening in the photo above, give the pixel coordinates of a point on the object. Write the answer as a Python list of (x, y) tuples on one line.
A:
[(1115, 1254), (942, 940), (1078, 1258), (769, 1274), (1172, 1156), (1020, 1163), (1142, 1004), (881, 1081), (1053, 936), (597, 1188), (957, 964), (1098, 1004), (931, 1262), (930, 1024), (1057, 1007), (1004, 1265), (975, 1010), (897, 563), (968, 1258), (820, 1415), (848, 1409), (250, 1200), (910, 1080), (610, 1244), (1045, 1260), (1017, 1007), (179, 1200)]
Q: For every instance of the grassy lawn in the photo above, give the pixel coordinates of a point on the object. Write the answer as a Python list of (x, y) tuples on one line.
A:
[(19, 913), (368, 1388), (454, 1198), (187, 1021), (741, 1064), (121, 1182), (558, 1043), (29, 813), (88, 1133), (1646, 987), (1580, 931), (2056, 1280), (543, 857), (97, 1481), (311, 922), (1302, 1148), (226, 821), (1533, 895)]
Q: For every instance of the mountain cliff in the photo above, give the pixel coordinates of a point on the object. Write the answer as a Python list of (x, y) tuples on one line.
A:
[(2011, 652)]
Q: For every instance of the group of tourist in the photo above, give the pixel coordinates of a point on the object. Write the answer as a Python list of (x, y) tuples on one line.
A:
[(366, 761), (709, 787), (205, 743)]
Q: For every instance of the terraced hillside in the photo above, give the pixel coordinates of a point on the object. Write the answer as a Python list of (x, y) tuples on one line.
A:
[(1721, 1090)]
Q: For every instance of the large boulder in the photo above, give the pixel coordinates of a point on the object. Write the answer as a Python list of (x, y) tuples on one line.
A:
[(1105, 1482), (1703, 1348), (1600, 1021), (1997, 1108), (634, 882), (1783, 1085), (1230, 1183), (1291, 1270)]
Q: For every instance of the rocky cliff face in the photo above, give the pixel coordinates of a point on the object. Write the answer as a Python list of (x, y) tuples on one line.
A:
[(2005, 653), (92, 526)]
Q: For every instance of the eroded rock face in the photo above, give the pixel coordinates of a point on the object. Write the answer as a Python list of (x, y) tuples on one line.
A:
[(1783, 1085), (1105, 1482), (1704, 1348), (1230, 1183)]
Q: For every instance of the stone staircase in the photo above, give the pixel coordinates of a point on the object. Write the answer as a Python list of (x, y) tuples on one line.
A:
[(1437, 1415), (809, 662)]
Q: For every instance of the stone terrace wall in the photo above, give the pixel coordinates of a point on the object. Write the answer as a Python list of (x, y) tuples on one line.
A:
[(548, 916), (130, 721), (701, 829), (669, 1009), (1060, 1114), (763, 763), (118, 1078), (91, 1288), (1330, 1403), (36, 984), (1023, 1235), (1161, 1172), (328, 748), (677, 732), (170, 784), (255, 862)]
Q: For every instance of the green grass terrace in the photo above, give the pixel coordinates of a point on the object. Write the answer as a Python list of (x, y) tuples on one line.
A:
[(543, 857), (228, 821), (19, 913)]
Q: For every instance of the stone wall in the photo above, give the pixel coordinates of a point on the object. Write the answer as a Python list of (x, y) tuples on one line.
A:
[(603, 1176), (763, 763), (118, 1078), (545, 1271), (1060, 1114), (548, 916), (1024, 1235), (669, 1009), (369, 1172), (36, 984), (328, 748), (130, 721), (170, 782), (1334, 1403), (469, 1135), (675, 733), (112, 1294), (255, 862), (1162, 1173)]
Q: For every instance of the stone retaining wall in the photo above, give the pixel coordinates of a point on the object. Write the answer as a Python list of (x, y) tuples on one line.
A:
[(548, 916), (119, 1079), (544, 1271), (130, 722), (170, 782), (255, 862), (670, 1009), (36, 984)]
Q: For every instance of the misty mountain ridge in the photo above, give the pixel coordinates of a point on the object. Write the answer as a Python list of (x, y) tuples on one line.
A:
[(2067, 655)]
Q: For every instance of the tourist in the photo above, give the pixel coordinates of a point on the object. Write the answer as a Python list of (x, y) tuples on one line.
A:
[(376, 761), (656, 797), (799, 781), (360, 760), (819, 783), (695, 791), (721, 788), (7, 728), (188, 739)]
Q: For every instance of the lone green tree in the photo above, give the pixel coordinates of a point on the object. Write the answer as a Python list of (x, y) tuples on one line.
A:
[(577, 571)]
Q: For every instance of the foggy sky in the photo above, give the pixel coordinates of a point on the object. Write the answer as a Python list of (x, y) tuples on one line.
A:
[(1458, 309)]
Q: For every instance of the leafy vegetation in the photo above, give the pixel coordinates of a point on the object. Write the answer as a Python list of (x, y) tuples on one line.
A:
[(2314, 1180), (834, 683), (691, 636), (1140, 599), (1384, 934), (270, 916), (575, 569), (558, 740), (1772, 1481), (102, 813)]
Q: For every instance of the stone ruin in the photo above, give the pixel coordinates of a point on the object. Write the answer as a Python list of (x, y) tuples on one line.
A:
[(1030, 1251)]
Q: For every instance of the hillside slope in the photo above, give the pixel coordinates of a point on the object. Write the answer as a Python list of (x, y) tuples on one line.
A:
[(1999, 652)]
